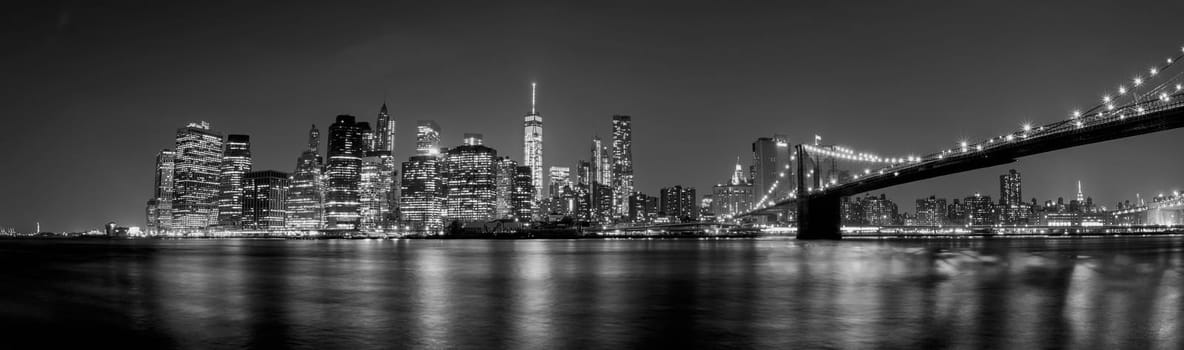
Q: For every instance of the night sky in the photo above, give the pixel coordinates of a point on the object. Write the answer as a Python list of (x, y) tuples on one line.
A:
[(93, 89)]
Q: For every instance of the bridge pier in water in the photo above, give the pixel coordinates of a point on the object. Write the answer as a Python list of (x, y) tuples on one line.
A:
[(820, 217)]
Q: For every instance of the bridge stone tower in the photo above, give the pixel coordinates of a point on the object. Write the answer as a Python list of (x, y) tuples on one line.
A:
[(819, 215)]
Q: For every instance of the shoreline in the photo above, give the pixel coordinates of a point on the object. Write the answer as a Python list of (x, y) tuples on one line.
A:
[(754, 236)]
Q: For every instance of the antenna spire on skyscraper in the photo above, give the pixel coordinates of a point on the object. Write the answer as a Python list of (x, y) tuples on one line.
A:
[(532, 97)]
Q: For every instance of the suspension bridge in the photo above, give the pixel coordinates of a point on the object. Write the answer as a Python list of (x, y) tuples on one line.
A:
[(1162, 211), (1147, 103)]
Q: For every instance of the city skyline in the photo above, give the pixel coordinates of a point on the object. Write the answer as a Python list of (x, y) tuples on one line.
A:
[(98, 179)]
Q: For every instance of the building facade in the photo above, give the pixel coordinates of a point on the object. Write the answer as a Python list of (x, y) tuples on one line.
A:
[(264, 200), (522, 199), (732, 197), (384, 133), (427, 138), (236, 161), (532, 145), (678, 202), (560, 180), (421, 201), (470, 181), (160, 206), (622, 160), (197, 169), (306, 197), (343, 175), (375, 192)]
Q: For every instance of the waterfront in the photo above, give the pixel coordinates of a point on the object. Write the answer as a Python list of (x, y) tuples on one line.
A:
[(768, 293)]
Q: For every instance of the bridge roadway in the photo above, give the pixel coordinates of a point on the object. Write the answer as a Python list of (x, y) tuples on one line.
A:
[(818, 211)]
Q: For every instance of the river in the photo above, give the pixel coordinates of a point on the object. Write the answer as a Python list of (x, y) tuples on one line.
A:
[(563, 294)]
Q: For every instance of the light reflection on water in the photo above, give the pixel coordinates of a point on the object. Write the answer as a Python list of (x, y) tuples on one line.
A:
[(1074, 293)]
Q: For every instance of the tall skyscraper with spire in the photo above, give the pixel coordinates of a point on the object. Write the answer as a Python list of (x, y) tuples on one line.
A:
[(384, 134), (533, 145)]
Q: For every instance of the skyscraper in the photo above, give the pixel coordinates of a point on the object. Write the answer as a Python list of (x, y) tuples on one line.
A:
[(522, 198), (421, 203), (160, 206), (198, 158), (427, 138), (264, 200), (637, 205), (470, 181), (678, 202), (732, 197), (506, 169), (978, 210), (560, 181), (1009, 188), (384, 134), (367, 134), (343, 175), (1012, 209), (764, 164), (305, 202), (601, 202), (583, 173), (376, 205), (931, 211), (770, 165), (622, 161), (236, 161), (602, 164), (533, 145)]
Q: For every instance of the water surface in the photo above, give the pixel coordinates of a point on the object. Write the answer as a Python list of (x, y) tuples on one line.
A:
[(550, 294)]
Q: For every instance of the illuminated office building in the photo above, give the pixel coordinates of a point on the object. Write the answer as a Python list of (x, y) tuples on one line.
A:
[(533, 145), (264, 199), (160, 206), (771, 170), (305, 202), (931, 211), (198, 160), (1012, 209), (622, 161), (601, 164), (560, 180), (522, 198), (377, 205), (583, 172), (470, 181), (236, 161), (978, 210), (367, 135), (678, 202), (421, 203), (427, 138), (384, 133), (733, 197), (506, 169), (601, 203), (343, 175)]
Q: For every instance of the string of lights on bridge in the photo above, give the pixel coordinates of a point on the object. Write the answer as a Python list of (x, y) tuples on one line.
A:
[(1142, 96)]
